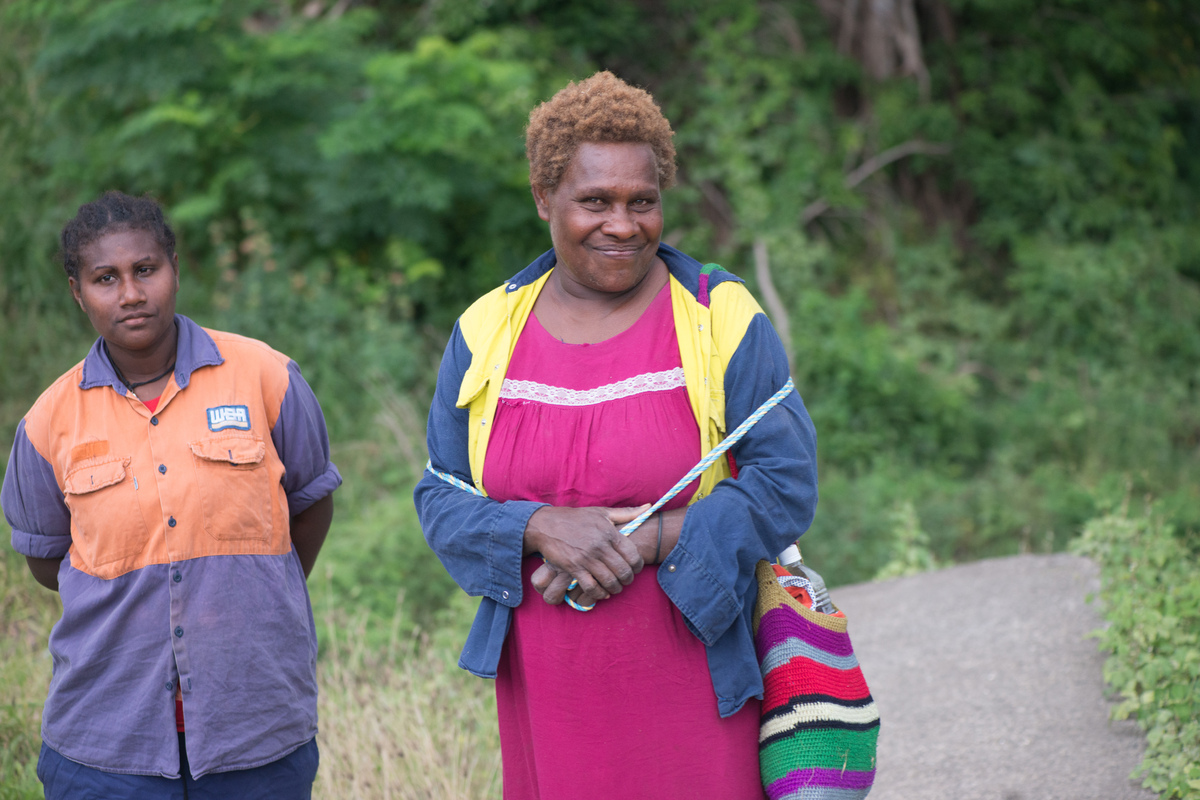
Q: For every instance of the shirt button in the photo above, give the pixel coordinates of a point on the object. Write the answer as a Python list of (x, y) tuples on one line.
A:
[(505, 595), (177, 577), (178, 631), (171, 522), (170, 686), (154, 420), (162, 469), (670, 567)]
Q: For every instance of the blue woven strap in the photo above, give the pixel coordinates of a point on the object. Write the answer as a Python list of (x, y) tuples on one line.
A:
[(704, 463), (453, 481)]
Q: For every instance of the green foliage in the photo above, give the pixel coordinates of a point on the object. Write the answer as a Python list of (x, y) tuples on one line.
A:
[(1151, 598), (39, 345), (252, 122), (991, 513), (329, 195), (432, 159), (346, 327), (910, 546), (212, 108), (784, 146), (870, 399), (995, 334), (1078, 101), (377, 563), (1015, 319)]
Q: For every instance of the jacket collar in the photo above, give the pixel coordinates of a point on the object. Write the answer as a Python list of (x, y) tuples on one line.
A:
[(683, 267)]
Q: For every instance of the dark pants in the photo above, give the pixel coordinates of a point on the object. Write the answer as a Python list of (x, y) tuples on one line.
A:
[(289, 778)]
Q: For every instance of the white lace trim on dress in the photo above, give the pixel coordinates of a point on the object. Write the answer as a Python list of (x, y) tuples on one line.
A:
[(559, 396)]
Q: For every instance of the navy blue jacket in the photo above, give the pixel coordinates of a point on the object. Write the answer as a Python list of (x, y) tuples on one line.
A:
[(733, 361)]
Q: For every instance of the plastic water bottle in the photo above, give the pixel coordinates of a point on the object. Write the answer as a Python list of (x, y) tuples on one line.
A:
[(791, 559)]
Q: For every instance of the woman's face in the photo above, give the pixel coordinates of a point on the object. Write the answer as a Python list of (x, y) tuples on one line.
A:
[(127, 286), (605, 216)]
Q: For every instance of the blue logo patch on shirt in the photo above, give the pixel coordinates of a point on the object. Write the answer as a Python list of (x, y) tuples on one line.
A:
[(223, 417)]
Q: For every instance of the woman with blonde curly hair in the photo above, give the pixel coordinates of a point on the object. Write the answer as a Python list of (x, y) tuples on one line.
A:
[(570, 398)]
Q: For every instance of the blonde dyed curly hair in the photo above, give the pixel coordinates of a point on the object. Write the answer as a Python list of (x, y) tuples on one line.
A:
[(601, 109)]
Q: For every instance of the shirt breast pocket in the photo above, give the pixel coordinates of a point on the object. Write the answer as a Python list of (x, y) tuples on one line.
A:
[(235, 483), (107, 526)]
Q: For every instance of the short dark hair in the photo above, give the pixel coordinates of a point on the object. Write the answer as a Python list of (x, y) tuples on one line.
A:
[(113, 212), (602, 109)]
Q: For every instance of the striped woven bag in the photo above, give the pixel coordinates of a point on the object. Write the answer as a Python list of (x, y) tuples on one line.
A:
[(819, 723)]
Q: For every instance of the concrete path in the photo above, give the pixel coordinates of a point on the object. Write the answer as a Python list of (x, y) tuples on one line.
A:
[(988, 686)]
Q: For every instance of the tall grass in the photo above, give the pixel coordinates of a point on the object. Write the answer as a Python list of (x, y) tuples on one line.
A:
[(403, 722), (26, 613)]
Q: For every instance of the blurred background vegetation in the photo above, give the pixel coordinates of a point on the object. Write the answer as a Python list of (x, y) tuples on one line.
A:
[(975, 222)]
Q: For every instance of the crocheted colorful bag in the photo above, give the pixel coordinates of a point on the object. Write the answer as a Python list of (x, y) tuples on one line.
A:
[(819, 725)]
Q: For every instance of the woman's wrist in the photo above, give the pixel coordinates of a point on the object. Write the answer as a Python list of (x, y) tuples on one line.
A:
[(656, 536), (530, 542), (658, 541), (672, 529)]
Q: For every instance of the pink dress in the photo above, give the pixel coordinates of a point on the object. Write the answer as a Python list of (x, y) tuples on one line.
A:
[(617, 702)]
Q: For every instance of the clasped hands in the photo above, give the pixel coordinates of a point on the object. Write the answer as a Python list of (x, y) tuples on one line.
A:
[(585, 545)]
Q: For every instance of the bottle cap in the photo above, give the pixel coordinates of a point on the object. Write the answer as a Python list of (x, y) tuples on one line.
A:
[(790, 555)]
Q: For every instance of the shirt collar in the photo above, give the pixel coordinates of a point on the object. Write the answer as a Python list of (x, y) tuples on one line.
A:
[(193, 350)]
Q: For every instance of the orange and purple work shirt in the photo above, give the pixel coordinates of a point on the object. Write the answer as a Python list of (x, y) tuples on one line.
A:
[(179, 570)]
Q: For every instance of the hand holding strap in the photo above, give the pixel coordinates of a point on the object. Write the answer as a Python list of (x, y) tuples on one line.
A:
[(704, 463)]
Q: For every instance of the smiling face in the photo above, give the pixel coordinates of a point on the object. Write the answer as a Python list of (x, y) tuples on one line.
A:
[(127, 285), (605, 217)]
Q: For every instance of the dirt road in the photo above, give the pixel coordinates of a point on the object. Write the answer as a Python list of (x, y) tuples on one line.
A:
[(988, 685)]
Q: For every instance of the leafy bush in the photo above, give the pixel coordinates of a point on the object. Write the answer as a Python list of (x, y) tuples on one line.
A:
[(347, 329), (869, 399), (994, 512), (1151, 597), (910, 546)]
